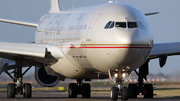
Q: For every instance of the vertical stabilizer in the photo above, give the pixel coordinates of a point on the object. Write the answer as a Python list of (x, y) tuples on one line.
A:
[(54, 6)]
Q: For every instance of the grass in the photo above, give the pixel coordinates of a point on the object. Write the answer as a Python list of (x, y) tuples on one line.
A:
[(165, 92), (3, 89)]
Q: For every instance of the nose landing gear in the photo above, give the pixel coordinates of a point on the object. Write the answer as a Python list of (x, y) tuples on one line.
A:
[(120, 90), (133, 89)]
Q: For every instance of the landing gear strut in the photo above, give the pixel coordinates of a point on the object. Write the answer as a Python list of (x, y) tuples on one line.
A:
[(123, 91), (140, 87), (18, 88), (80, 88)]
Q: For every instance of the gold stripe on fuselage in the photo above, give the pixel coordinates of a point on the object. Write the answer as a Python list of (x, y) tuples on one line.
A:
[(147, 45)]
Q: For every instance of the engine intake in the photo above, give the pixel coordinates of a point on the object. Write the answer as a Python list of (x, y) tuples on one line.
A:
[(44, 79)]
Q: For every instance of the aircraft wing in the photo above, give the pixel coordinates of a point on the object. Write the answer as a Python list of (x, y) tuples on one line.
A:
[(44, 53), (165, 49), (30, 24)]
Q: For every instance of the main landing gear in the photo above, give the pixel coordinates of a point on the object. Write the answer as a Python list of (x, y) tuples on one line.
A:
[(18, 88), (133, 89), (140, 87), (80, 88)]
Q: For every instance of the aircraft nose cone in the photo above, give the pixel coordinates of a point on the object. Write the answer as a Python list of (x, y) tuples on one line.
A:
[(129, 36)]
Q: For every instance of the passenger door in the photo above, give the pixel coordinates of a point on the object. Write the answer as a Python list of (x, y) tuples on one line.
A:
[(91, 26)]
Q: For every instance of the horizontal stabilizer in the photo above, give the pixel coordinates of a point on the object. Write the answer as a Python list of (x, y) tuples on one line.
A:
[(19, 23), (152, 13)]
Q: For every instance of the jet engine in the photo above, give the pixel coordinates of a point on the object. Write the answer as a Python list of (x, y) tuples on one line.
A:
[(2, 63), (44, 79)]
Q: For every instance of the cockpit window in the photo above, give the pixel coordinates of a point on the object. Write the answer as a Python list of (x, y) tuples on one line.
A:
[(108, 24), (112, 25), (121, 24), (140, 25), (132, 25)]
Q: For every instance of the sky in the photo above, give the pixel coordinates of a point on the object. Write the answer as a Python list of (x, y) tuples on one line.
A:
[(165, 25)]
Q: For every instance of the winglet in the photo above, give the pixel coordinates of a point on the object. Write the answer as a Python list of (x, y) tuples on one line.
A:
[(54, 6)]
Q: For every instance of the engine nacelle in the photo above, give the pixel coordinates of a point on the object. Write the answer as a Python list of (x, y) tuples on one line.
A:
[(2, 63), (162, 60), (44, 79)]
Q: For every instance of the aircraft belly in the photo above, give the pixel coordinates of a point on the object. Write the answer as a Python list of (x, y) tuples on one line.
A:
[(74, 64), (69, 70), (122, 58), (134, 58)]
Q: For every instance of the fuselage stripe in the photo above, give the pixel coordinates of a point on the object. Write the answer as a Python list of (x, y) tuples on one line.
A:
[(110, 47)]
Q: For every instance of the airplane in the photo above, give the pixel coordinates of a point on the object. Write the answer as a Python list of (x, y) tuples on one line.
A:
[(97, 42)]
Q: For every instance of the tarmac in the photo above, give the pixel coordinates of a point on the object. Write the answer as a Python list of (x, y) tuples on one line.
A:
[(63, 96)]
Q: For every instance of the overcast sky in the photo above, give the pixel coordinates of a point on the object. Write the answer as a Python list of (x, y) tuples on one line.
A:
[(165, 26)]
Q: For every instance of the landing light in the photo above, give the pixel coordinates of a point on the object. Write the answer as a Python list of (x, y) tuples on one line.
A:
[(116, 75), (123, 75)]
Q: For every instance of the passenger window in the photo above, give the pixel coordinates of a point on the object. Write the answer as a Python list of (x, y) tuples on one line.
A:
[(85, 26), (132, 25), (140, 25), (121, 24), (108, 24), (112, 25)]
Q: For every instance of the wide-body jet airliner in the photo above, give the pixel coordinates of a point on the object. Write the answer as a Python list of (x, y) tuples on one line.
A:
[(98, 42)]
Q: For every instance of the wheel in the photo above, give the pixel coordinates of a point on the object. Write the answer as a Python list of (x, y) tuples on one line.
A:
[(133, 90), (27, 92), (72, 90), (86, 90), (114, 93), (11, 91), (125, 93), (148, 91)]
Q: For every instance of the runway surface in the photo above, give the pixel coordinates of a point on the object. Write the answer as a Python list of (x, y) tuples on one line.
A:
[(63, 96)]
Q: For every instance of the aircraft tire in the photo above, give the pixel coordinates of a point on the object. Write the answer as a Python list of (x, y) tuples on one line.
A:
[(125, 93), (72, 90), (114, 93), (148, 91), (11, 90), (27, 90), (133, 90), (86, 90)]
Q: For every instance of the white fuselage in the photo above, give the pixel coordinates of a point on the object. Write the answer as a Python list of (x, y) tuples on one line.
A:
[(89, 47)]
